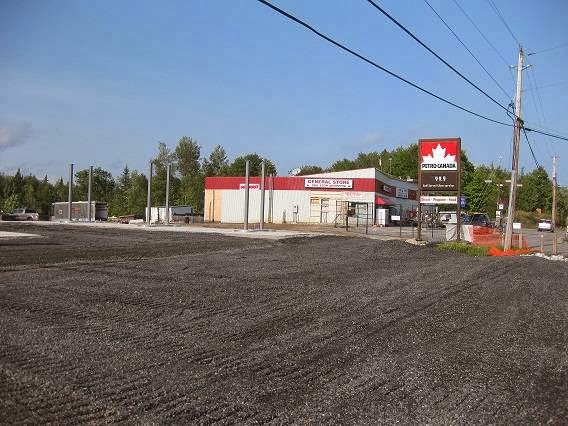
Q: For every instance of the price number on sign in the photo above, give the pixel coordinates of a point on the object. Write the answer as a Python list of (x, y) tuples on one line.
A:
[(440, 178)]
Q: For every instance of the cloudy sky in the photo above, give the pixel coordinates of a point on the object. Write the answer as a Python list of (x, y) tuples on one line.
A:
[(102, 82)]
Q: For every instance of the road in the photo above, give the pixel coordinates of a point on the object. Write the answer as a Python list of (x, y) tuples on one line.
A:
[(533, 237), (118, 325)]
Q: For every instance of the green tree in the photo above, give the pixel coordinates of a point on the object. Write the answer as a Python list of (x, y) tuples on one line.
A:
[(164, 157), (404, 162), (137, 194), (536, 192), (369, 159), (31, 185), (217, 163), (310, 170), (45, 195), (16, 188), (60, 190), (187, 154), (238, 166), (483, 190), (189, 189), (562, 205), (341, 165), (10, 203), (102, 186), (119, 204)]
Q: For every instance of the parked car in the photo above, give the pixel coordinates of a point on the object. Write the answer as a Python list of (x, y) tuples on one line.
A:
[(24, 214), (545, 225), (478, 219)]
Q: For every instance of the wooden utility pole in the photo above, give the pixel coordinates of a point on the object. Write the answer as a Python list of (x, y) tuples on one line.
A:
[(554, 191), (515, 163)]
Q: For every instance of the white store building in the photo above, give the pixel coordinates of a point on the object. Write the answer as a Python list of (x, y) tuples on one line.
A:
[(324, 198)]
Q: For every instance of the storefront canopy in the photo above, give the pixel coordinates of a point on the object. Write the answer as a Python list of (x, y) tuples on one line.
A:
[(381, 201)]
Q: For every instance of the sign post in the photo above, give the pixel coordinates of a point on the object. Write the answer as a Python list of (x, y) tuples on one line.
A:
[(439, 169)]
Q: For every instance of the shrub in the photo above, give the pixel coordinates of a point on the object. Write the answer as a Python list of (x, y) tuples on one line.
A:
[(463, 247)]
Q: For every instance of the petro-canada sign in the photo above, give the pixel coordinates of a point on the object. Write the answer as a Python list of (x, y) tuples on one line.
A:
[(439, 164)]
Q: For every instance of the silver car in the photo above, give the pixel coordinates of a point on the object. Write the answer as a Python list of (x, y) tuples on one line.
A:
[(25, 214)]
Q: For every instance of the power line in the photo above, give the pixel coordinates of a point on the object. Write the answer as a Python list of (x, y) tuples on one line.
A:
[(560, 46), (374, 64), (482, 34), (398, 77), (552, 135), (407, 31), (545, 86), (530, 147), (467, 48), (538, 106), (500, 15)]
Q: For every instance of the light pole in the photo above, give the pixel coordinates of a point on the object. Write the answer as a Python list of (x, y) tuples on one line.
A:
[(149, 206), (168, 172)]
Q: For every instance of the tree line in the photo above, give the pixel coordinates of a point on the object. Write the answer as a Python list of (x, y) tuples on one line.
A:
[(485, 187), (127, 193)]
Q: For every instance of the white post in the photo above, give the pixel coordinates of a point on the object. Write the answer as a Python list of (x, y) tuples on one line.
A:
[(70, 195), (262, 195), (89, 216), (168, 166), (149, 203), (246, 213)]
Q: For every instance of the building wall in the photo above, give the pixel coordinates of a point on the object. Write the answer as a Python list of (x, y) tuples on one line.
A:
[(292, 202)]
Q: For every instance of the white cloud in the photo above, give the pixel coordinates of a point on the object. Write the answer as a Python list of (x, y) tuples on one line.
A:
[(13, 134)]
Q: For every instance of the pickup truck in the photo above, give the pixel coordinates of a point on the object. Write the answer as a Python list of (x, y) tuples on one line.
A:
[(545, 225), (24, 214)]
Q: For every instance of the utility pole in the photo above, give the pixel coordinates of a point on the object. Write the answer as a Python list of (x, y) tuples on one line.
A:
[(70, 196), (554, 191), (89, 202), (515, 163), (247, 184), (262, 171), (149, 203), (168, 168)]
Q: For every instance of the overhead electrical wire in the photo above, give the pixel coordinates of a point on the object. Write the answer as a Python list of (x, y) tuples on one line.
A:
[(374, 64), (482, 34), (407, 31), (552, 135), (500, 16), (398, 77), (469, 50), (530, 147), (560, 46), (545, 86), (539, 106)]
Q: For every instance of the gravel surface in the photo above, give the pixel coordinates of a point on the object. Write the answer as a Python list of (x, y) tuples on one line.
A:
[(103, 325)]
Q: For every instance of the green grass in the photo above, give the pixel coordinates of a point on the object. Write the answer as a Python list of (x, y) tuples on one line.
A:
[(463, 247)]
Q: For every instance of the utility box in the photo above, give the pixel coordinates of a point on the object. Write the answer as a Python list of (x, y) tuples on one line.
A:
[(176, 214), (79, 210), (382, 217)]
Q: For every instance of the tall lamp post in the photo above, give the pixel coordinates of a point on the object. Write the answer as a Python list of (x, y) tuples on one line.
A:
[(168, 173)]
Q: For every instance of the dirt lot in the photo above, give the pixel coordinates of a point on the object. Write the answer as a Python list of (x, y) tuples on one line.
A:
[(99, 326)]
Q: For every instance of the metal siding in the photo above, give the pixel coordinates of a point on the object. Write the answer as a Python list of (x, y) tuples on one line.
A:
[(232, 204)]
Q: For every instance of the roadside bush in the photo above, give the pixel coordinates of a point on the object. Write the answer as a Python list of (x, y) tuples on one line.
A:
[(463, 247)]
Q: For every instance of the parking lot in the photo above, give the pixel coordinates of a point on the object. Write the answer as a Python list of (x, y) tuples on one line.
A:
[(104, 325)]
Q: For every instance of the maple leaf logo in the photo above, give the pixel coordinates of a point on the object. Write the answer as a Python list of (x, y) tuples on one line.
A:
[(439, 156)]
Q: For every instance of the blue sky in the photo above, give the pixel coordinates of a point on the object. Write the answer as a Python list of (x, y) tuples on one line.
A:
[(102, 82)]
